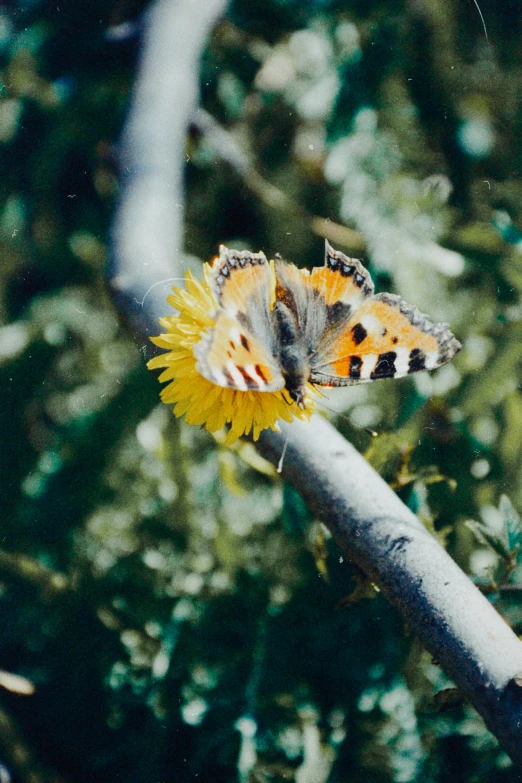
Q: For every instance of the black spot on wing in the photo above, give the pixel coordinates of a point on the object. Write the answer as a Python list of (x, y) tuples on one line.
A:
[(243, 320), (417, 360), (346, 270), (355, 366), (251, 384), (260, 372), (395, 340), (359, 280), (359, 334), (245, 343), (338, 313), (385, 367), (231, 382)]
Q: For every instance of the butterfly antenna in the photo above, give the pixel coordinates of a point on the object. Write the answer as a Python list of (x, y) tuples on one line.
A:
[(289, 402), (282, 457), (159, 282), (319, 391), (353, 423)]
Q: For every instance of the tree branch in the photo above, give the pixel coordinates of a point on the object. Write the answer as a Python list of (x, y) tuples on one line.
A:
[(147, 233), (455, 622), (451, 617)]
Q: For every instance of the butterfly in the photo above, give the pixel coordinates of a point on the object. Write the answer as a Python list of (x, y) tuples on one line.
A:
[(326, 327)]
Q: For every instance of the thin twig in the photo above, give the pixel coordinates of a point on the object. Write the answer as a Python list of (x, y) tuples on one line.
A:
[(29, 570), (229, 150)]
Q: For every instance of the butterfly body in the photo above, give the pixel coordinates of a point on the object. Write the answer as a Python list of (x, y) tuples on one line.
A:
[(292, 352), (283, 328)]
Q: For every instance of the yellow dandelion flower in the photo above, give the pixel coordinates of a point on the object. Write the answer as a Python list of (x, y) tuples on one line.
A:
[(198, 399)]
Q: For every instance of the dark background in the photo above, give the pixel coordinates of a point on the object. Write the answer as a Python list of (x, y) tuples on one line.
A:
[(176, 609)]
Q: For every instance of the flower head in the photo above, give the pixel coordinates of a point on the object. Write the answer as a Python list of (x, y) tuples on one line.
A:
[(198, 399)]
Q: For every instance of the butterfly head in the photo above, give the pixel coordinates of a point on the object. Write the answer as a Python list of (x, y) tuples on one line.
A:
[(298, 395), (295, 370)]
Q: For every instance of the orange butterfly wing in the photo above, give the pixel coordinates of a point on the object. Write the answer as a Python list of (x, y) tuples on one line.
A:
[(241, 278), (340, 286), (341, 280), (353, 336), (229, 354), (385, 338)]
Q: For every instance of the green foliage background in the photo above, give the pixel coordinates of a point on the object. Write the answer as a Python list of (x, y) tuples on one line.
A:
[(174, 605)]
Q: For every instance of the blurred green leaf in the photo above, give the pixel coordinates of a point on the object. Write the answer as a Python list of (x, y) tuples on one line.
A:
[(496, 541)]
